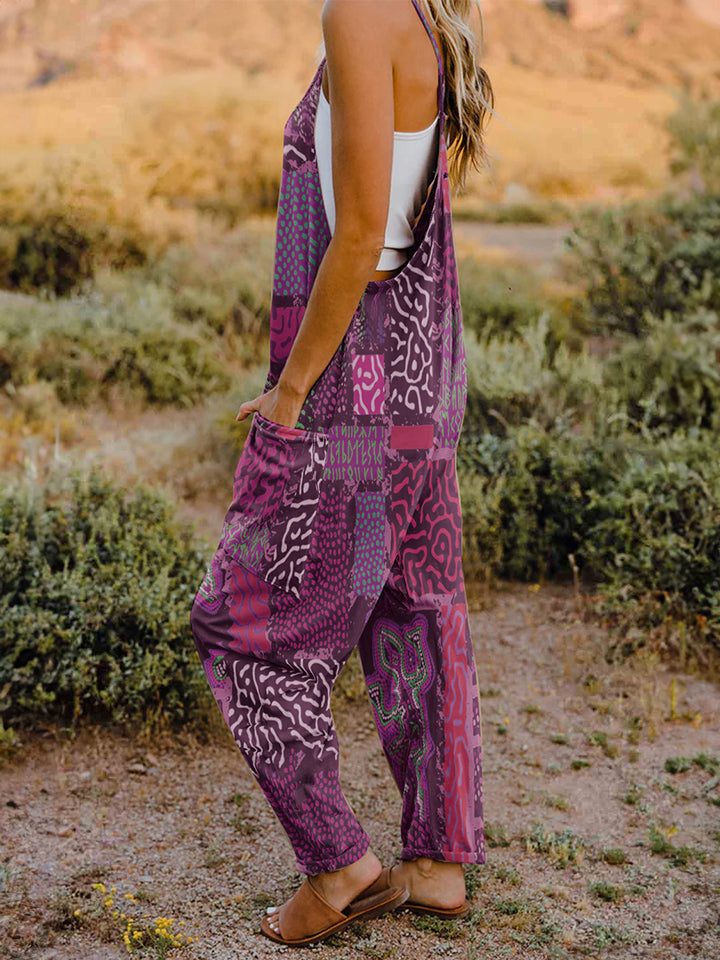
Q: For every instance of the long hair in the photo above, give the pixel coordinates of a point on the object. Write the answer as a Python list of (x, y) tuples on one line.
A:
[(469, 96)]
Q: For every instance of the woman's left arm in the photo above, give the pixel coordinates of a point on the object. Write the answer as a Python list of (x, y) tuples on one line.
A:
[(360, 74)]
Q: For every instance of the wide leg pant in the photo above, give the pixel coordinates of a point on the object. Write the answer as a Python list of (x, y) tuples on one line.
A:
[(272, 647)]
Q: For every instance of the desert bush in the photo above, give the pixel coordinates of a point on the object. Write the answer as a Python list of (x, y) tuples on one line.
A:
[(89, 345), (639, 261), (52, 255), (96, 586), (655, 538), (640, 513), (225, 285), (499, 299), (511, 380), (56, 250), (505, 376), (694, 128), (670, 378), (527, 498)]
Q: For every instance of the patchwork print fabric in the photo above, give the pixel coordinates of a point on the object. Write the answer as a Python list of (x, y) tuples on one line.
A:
[(345, 531)]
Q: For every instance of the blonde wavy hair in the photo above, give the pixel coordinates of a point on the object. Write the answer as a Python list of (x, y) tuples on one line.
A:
[(469, 96)]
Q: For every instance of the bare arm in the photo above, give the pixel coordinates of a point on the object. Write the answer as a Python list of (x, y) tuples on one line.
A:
[(360, 75)]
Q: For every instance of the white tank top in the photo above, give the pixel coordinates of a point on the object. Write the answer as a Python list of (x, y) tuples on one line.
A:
[(413, 166)]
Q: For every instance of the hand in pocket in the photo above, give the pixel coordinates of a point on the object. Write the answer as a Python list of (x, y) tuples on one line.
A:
[(276, 405)]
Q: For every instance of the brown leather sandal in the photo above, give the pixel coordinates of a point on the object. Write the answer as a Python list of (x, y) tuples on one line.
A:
[(445, 913), (307, 917), (383, 882)]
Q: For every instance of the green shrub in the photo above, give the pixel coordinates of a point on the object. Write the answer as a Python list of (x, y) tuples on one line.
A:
[(639, 260), (694, 128), (615, 855), (52, 255), (96, 587), (678, 764), (513, 380), (607, 891), (655, 540), (705, 761), (561, 849), (670, 378), (612, 460), (499, 299), (9, 743), (505, 378), (225, 285), (527, 498), (640, 513), (496, 835), (708, 762), (126, 338)]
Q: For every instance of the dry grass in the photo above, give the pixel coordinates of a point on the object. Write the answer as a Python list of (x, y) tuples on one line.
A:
[(163, 156), (160, 159), (588, 138)]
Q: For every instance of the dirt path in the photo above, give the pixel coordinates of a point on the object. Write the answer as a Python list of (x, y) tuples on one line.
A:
[(539, 244), (568, 774)]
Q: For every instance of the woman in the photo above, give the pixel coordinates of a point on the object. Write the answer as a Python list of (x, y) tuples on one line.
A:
[(345, 527)]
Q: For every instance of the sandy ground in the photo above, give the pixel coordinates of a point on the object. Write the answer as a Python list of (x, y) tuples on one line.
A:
[(537, 244), (574, 765)]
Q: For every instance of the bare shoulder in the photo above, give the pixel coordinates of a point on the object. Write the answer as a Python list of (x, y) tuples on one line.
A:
[(364, 20)]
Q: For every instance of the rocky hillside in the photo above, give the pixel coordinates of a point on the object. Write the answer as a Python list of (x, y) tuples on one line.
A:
[(638, 43), (633, 42)]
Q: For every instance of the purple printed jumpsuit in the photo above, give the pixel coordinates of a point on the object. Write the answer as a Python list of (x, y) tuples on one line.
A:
[(346, 530)]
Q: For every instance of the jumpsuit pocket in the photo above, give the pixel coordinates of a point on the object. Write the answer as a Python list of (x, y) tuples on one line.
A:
[(270, 525)]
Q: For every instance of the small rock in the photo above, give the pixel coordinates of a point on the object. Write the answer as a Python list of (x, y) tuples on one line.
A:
[(517, 193), (65, 831)]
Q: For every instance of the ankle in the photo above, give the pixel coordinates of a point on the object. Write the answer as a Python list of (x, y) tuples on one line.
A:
[(425, 866), (368, 863), (436, 870), (368, 866)]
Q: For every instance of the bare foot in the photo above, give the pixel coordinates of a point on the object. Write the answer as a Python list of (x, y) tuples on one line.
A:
[(433, 883), (339, 887)]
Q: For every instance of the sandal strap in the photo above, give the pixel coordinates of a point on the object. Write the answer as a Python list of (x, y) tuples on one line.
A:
[(379, 885), (307, 913)]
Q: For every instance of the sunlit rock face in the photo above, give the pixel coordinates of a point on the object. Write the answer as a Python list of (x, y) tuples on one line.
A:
[(583, 13), (707, 10), (586, 14)]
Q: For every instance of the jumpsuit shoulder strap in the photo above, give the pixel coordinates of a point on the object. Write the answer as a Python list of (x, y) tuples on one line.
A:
[(436, 47)]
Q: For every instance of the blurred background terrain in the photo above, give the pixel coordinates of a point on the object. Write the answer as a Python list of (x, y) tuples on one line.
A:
[(152, 97)]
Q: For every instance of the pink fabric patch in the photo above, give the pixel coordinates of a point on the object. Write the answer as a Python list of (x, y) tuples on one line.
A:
[(368, 383), (249, 608), (458, 766), (416, 437)]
